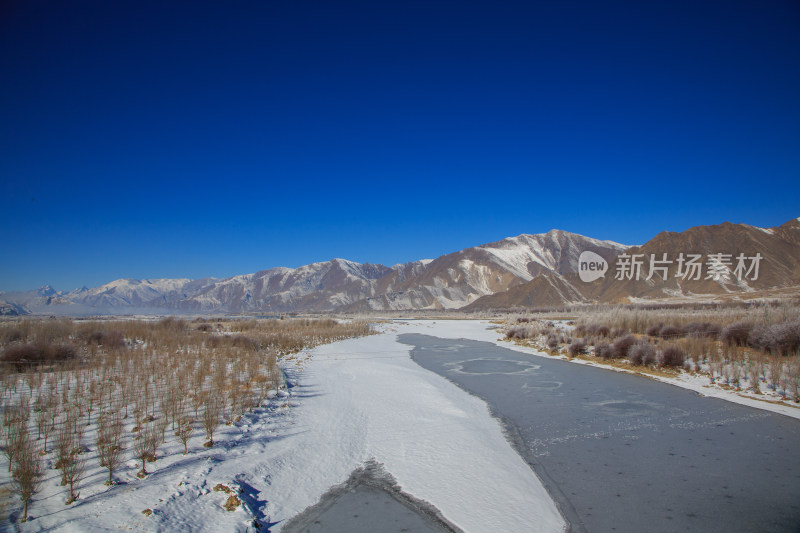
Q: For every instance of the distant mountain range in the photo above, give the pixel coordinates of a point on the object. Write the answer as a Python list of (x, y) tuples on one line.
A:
[(539, 270)]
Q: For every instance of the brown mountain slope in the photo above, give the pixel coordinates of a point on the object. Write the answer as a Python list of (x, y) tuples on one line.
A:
[(546, 290), (778, 267)]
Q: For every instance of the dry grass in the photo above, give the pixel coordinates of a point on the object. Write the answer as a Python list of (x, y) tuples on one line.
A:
[(745, 346)]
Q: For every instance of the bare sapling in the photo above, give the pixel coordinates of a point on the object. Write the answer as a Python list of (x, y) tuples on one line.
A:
[(73, 468), (172, 404), (64, 446), (161, 424), (212, 412), (68, 453), (198, 380), (16, 431), (91, 398), (185, 432), (44, 426), (774, 366), (16, 414), (235, 399), (143, 446), (794, 380), (26, 473), (151, 435), (109, 443)]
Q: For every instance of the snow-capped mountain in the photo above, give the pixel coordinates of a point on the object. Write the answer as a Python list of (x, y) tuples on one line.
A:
[(130, 292), (527, 270), (455, 280), (779, 268), (448, 282)]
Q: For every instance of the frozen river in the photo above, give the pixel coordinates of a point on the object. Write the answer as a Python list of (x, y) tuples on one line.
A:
[(620, 452)]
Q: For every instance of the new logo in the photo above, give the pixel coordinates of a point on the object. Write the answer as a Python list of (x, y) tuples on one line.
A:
[(591, 266)]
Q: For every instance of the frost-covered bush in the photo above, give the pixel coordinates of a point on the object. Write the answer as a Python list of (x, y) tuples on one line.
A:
[(654, 330), (782, 338), (670, 332), (553, 341), (602, 331), (702, 329), (577, 348), (787, 337), (27, 354), (603, 350), (12, 335), (618, 332), (642, 353), (736, 334), (619, 349), (672, 356), (519, 332), (594, 330)]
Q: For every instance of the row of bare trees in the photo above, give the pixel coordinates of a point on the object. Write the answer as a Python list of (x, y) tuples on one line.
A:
[(150, 382)]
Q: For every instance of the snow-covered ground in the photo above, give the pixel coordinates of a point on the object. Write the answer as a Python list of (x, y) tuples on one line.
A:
[(354, 400)]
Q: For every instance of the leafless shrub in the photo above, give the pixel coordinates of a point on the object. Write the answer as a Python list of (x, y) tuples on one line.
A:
[(736, 334), (600, 331), (64, 445), (172, 325), (618, 332), (152, 436), (642, 353), (672, 356), (619, 349), (576, 348), (109, 444), (24, 355), (74, 468), (212, 413), (603, 350), (26, 472), (11, 334), (552, 341), (517, 332), (794, 380), (45, 416), (69, 454), (702, 329), (782, 338), (143, 447), (14, 436), (670, 332), (654, 330), (243, 341), (185, 432)]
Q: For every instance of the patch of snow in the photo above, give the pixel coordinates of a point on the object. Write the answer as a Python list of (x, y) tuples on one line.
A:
[(768, 231)]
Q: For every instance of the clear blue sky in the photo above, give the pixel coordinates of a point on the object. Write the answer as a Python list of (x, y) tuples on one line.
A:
[(188, 139)]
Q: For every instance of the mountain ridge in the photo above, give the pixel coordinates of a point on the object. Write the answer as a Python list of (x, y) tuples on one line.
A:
[(528, 270)]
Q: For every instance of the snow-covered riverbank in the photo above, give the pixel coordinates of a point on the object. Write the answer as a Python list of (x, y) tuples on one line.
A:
[(353, 401)]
